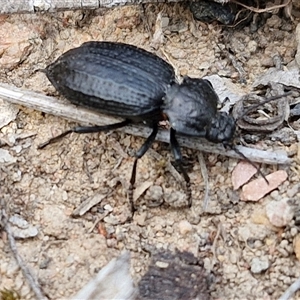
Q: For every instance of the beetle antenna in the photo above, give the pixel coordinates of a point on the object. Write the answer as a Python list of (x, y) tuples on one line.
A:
[(237, 151)]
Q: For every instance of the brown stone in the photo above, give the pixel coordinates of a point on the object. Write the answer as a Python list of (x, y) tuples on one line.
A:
[(257, 189)]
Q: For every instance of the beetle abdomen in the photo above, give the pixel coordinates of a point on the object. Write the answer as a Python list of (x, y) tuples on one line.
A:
[(113, 78)]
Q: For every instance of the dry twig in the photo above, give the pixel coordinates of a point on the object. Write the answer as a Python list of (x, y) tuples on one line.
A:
[(291, 290), (26, 6), (205, 179), (261, 10), (78, 114), (13, 247), (112, 282)]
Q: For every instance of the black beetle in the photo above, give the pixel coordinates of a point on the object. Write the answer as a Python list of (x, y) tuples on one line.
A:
[(122, 80)]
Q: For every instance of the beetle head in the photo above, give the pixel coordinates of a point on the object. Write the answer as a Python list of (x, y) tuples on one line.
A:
[(221, 128)]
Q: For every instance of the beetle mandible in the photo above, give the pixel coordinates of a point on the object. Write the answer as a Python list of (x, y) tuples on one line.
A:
[(126, 81)]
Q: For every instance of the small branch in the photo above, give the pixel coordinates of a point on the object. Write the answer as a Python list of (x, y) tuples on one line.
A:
[(291, 290), (66, 110), (205, 179), (27, 6), (13, 247), (113, 281), (261, 10)]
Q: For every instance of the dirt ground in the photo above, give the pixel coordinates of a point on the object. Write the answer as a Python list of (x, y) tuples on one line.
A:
[(45, 186)]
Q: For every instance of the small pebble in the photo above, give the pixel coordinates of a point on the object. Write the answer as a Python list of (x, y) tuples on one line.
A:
[(3, 267), (221, 258), (279, 213), (257, 189), (154, 196), (294, 231), (111, 220), (164, 22), (108, 207), (233, 257), (162, 264), (8, 112), (17, 148), (259, 216), (12, 268), (65, 196), (292, 191), (111, 243), (21, 228), (141, 219), (284, 243), (259, 264), (283, 252), (253, 232), (258, 244), (252, 46), (176, 199), (19, 282), (207, 263), (185, 227), (5, 157), (275, 195), (25, 290), (244, 233)]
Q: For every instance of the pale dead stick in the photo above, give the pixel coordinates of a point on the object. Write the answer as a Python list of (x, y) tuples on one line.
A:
[(66, 110), (261, 10), (25, 270), (291, 290), (27, 6), (205, 179)]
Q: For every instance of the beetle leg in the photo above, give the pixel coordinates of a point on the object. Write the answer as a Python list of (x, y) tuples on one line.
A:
[(144, 148), (178, 158), (85, 129)]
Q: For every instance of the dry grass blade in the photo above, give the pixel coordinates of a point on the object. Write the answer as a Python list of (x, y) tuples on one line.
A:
[(205, 179)]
